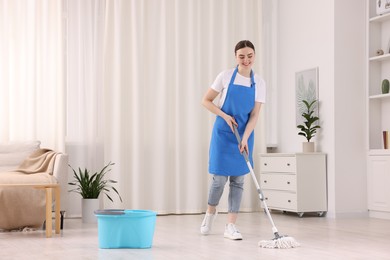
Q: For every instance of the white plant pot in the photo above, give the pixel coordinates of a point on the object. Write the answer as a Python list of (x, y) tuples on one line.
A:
[(88, 206), (308, 147)]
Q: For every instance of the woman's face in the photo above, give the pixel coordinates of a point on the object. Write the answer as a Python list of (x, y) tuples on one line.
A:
[(245, 57)]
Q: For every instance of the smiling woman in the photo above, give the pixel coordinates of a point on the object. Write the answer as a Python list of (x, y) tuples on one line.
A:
[(243, 92)]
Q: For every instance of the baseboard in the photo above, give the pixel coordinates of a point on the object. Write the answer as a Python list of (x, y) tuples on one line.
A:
[(379, 214), (354, 214)]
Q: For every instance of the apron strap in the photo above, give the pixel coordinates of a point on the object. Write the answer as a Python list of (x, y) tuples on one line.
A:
[(234, 76)]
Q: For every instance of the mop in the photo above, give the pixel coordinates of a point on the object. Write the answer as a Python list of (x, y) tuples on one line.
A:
[(279, 241)]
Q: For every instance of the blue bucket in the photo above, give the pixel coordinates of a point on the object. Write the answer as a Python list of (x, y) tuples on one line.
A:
[(125, 228)]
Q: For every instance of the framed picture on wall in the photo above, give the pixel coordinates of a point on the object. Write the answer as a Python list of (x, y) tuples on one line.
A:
[(306, 88)]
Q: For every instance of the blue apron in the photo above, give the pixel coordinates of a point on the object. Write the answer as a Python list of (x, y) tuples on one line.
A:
[(225, 158)]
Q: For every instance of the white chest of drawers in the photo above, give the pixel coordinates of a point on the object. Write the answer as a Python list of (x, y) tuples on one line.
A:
[(294, 182)]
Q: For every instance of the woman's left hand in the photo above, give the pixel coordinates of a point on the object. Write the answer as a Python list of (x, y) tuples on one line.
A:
[(244, 146)]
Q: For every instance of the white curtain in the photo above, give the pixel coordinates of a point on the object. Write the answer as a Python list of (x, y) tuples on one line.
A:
[(32, 100), (135, 74), (85, 120), (160, 56), (135, 100)]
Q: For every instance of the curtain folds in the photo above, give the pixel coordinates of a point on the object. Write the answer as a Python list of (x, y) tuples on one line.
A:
[(129, 90), (160, 56), (32, 100), (85, 123)]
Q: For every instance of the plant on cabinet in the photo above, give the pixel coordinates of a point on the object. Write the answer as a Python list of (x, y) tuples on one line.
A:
[(309, 127)]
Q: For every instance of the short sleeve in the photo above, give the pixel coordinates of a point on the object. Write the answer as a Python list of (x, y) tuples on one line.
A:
[(218, 82), (260, 90)]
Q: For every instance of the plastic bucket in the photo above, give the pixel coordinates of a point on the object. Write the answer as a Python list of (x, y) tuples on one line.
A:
[(125, 228)]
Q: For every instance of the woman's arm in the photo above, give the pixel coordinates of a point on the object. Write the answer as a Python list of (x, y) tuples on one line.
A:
[(207, 102), (250, 126)]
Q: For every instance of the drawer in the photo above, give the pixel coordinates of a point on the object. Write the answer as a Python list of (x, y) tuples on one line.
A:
[(286, 182), (278, 164), (281, 200)]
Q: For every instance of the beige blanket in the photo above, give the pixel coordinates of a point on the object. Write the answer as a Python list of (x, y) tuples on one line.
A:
[(23, 206), (42, 160)]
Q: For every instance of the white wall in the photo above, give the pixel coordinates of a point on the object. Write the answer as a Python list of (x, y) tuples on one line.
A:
[(325, 34), (350, 107)]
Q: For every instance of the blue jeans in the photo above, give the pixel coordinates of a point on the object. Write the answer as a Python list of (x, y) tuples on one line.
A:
[(235, 191)]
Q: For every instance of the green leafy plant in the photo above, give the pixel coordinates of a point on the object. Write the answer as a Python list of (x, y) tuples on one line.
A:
[(90, 186), (310, 126)]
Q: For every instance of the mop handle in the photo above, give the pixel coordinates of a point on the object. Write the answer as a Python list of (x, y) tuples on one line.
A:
[(245, 154), (239, 142), (261, 196)]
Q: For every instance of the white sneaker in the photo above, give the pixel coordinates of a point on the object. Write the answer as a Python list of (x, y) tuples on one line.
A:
[(232, 232), (207, 223)]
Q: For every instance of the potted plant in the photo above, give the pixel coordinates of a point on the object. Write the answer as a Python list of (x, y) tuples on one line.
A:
[(90, 186), (310, 126)]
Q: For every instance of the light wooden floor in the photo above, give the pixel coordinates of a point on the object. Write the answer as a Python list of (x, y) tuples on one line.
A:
[(178, 237)]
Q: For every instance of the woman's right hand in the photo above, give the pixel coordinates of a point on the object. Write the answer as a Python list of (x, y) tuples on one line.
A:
[(230, 121), (207, 102)]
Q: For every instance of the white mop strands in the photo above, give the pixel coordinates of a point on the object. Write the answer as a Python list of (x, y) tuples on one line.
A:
[(279, 241), (282, 242)]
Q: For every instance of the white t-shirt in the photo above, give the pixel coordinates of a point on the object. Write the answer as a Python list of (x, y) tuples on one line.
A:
[(221, 85)]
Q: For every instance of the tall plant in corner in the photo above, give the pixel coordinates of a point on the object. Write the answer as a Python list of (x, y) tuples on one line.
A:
[(310, 124)]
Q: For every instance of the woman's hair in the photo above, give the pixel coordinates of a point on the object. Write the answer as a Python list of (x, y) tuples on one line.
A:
[(243, 44)]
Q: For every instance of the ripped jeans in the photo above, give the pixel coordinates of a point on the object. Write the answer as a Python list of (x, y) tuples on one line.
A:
[(235, 191)]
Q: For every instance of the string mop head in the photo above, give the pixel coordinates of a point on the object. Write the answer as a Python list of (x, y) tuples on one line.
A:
[(281, 242)]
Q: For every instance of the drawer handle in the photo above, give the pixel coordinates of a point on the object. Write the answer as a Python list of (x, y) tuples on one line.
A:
[(288, 164), (265, 164), (288, 182), (266, 198), (289, 201), (265, 181)]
